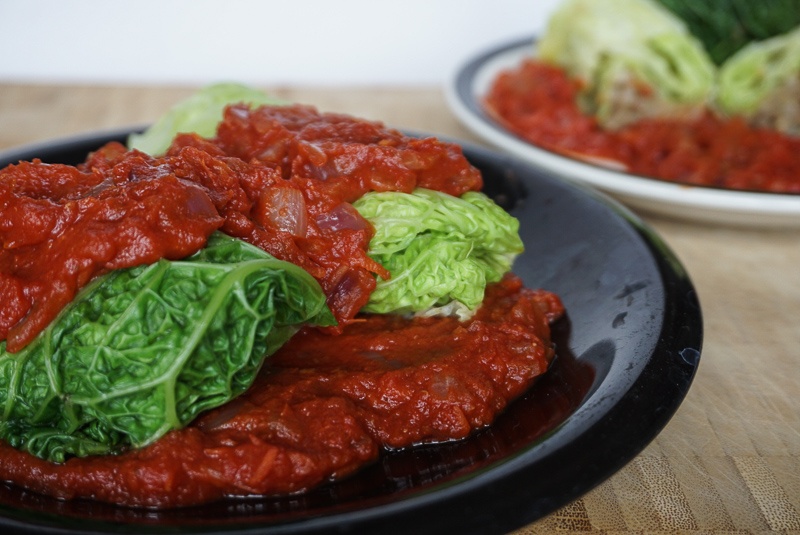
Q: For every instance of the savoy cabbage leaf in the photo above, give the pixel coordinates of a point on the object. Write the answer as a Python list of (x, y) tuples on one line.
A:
[(199, 113), (440, 250), (142, 351)]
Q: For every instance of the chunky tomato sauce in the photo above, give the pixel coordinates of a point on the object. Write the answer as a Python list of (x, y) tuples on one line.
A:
[(281, 178), (324, 406), (538, 102), (329, 401)]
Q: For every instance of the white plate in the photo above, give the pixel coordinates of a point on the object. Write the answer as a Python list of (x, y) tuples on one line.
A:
[(465, 90)]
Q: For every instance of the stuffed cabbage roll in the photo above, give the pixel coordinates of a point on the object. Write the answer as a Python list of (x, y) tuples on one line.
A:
[(761, 83), (634, 59)]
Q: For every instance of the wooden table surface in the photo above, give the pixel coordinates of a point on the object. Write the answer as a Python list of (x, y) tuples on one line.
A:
[(729, 460)]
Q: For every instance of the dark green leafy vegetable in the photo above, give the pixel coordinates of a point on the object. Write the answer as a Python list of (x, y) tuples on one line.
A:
[(142, 351), (725, 26)]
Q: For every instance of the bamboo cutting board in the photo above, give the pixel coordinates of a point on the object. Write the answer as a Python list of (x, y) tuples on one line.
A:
[(728, 462)]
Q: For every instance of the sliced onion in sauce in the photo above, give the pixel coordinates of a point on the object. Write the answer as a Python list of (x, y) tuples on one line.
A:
[(343, 217), (285, 209)]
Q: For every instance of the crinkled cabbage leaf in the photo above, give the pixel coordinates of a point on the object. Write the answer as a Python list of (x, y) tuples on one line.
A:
[(440, 250), (761, 83), (633, 58), (200, 113), (142, 351)]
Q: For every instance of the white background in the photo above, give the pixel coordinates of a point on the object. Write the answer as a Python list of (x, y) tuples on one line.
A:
[(267, 42)]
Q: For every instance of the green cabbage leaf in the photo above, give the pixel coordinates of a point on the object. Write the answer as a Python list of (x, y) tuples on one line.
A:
[(633, 58), (200, 113), (440, 250), (761, 83), (142, 351)]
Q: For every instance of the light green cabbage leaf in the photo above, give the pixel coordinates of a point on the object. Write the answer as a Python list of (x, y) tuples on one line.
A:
[(761, 83), (142, 351), (634, 59), (441, 250), (200, 113)]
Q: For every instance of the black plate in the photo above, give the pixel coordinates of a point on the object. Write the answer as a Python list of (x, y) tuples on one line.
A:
[(627, 353)]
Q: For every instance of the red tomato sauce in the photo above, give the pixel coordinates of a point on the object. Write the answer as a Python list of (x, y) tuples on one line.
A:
[(537, 102), (324, 406), (61, 226), (330, 400), (281, 178)]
